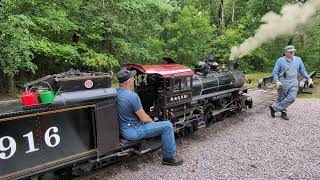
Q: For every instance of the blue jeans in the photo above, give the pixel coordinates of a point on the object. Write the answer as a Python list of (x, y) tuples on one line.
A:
[(286, 95), (149, 130)]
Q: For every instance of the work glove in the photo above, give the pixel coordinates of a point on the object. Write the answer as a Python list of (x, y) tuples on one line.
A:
[(310, 82), (278, 84)]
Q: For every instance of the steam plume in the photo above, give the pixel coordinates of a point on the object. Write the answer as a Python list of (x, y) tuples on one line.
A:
[(290, 17)]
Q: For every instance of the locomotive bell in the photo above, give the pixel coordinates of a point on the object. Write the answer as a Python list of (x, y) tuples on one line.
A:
[(214, 66), (202, 67)]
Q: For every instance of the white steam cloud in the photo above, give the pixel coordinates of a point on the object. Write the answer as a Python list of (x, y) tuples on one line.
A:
[(290, 17)]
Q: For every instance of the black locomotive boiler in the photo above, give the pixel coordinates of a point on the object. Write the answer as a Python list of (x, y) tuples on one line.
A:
[(78, 132)]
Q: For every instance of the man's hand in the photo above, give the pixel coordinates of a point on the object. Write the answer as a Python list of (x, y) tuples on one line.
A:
[(278, 84), (310, 82), (143, 116)]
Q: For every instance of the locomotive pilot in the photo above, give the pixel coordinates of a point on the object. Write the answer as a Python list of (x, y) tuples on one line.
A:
[(136, 124), (285, 75)]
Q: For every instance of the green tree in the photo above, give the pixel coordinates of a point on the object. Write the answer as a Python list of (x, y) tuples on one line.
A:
[(45, 37), (15, 50), (188, 38)]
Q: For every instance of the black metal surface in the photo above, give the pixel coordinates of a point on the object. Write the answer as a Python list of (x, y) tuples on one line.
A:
[(177, 98), (218, 95), (78, 84), (214, 82), (107, 127), (73, 130), (52, 167)]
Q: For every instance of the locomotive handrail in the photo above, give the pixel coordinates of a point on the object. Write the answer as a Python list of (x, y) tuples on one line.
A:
[(215, 94)]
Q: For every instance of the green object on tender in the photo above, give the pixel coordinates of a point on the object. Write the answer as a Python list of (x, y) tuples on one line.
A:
[(46, 97)]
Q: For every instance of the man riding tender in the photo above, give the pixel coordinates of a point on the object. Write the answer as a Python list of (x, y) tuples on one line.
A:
[(136, 124), (285, 74)]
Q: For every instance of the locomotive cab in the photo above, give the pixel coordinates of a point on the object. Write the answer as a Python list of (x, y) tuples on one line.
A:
[(172, 91), (165, 90)]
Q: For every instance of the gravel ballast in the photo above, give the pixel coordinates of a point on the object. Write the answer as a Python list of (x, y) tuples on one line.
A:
[(251, 145)]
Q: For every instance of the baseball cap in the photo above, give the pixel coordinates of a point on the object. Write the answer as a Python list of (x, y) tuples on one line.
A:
[(124, 74), (289, 48)]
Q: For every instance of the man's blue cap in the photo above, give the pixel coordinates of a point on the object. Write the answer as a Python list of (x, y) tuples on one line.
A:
[(289, 48)]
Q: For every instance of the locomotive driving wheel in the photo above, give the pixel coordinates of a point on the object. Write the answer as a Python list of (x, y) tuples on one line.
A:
[(207, 116), (223, 114)]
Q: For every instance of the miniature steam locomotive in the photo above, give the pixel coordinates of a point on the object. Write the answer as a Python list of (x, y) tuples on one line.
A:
[(78, 131)]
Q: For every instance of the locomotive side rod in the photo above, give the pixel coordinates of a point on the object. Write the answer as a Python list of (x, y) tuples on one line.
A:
[(217, 112)]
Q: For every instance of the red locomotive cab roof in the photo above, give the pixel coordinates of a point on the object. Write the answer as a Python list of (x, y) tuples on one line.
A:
[(165, 70)]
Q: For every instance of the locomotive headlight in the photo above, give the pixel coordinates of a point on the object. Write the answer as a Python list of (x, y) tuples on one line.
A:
[(171, 115)]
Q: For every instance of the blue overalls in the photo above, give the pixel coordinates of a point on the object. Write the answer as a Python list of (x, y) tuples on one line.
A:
[(286, 71)]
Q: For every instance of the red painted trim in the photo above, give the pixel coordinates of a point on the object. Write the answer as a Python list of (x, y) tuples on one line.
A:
[(165, 70)]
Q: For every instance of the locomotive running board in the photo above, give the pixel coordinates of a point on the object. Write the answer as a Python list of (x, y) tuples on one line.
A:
[(148, 146), (218, 95)]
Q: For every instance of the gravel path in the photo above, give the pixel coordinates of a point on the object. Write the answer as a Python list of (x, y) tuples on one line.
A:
[(248, 146)]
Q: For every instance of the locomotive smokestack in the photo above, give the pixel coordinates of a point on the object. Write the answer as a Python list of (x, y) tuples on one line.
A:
[(231, 65), (275, 25), (211, 58)]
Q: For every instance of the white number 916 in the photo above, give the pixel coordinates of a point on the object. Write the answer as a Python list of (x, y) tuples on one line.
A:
[(8, 145)]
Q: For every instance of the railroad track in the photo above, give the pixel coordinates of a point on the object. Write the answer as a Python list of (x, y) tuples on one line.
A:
[(263, 97)]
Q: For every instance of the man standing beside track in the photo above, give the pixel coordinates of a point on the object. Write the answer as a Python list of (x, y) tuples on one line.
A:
[(285, 74), (136, 124)]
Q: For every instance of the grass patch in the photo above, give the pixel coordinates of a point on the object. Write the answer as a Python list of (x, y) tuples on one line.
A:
[(252, 79), (309, 96)]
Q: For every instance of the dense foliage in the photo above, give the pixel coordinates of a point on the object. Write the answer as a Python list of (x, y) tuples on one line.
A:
[(39, 37)]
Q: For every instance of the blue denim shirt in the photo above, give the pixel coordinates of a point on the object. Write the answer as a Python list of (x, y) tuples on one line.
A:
[(128, 102), (288, 70)]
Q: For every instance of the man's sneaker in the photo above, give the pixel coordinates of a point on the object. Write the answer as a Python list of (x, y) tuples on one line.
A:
[(272, 111), (176, 161), (284, 116)]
